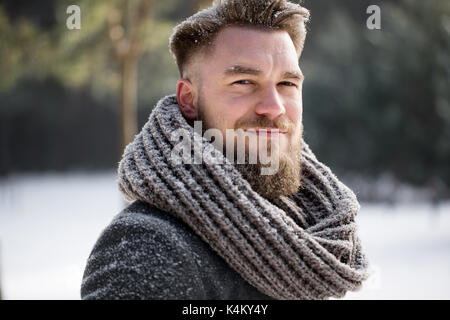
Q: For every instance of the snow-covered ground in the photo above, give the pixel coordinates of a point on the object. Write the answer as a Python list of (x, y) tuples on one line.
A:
[(49, 224)]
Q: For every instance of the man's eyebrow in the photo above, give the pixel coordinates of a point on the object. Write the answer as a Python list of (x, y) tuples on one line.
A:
[(237, 69), (293, 75)]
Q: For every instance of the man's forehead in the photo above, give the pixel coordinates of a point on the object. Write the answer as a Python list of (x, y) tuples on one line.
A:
[(240, 40), (248, 51), (243, 45), (242, 32)]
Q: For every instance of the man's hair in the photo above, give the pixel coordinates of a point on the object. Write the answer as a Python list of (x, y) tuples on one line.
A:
[(198, 32)]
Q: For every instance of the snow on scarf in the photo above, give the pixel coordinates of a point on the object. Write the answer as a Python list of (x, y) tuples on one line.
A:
[(304, 246)]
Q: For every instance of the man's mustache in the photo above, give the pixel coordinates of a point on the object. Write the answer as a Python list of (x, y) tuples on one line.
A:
[(283, 123)]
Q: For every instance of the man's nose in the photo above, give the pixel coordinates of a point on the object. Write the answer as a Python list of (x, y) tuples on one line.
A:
[(270, 104)]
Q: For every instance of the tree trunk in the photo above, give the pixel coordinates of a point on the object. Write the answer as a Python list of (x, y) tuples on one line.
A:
[(128, 105), (125, 27)]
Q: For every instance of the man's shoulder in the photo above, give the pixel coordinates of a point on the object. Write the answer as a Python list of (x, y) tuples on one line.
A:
[(140, 255), (145, 221), (140, 215), (145, 253)]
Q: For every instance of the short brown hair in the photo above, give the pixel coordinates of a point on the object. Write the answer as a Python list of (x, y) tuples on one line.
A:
[(199, 31)]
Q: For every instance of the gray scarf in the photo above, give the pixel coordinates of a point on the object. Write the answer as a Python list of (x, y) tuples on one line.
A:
[(300, 247)]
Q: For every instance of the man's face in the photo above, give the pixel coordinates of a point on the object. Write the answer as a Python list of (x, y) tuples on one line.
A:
[(252, 75), (251, 80)]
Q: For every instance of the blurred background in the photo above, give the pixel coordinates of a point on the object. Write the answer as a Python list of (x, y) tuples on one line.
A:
[(376, 111)]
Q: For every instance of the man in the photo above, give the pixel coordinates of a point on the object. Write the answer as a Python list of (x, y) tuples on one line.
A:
[(204, 225)]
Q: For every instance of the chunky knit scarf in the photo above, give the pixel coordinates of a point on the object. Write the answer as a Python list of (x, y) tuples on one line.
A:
[(300, 247)]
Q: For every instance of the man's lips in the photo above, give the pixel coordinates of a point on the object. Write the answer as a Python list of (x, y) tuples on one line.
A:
[(269, 132)]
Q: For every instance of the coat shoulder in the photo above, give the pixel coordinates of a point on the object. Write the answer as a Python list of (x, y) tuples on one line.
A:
[(145, 253)]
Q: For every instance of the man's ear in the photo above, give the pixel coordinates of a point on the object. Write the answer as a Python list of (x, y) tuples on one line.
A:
[(186, 96)]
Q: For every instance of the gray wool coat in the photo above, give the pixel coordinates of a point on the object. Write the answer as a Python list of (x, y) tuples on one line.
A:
[(145, 253)]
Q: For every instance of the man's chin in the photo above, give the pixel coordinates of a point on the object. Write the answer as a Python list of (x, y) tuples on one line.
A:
[(284, 182)]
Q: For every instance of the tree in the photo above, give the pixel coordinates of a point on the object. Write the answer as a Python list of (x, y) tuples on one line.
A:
[(125, 29), (107, 49)]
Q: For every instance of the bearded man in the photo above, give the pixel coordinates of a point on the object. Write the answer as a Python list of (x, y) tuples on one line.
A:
[(219, 228)]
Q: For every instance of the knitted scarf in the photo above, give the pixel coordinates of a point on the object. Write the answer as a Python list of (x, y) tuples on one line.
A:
[(304, 246)]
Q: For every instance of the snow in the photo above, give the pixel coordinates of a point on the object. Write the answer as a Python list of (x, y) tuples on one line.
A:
[(409, 249), (49, 224)]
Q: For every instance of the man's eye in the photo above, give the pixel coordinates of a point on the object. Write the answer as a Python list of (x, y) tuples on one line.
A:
[(288, 83), (242, 82)]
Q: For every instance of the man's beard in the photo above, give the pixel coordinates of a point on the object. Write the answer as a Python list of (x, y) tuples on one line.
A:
[(287, 179)]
